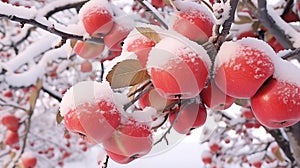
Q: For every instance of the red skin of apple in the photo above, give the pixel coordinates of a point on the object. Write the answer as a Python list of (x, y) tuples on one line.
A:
[(113, 40), (88, 50), (214, 98), (275, 44), (11, 122), (277, 104), (193, 116), (230, 77), (153, 99), (246, 34), (132, 140), (28, 161), (11, 138), (86, 66), (248, 114), (194, 24), (214, 148), (97, 21), (111, 55), (90, 119), (184, 78), (141, 47), (158, 3)]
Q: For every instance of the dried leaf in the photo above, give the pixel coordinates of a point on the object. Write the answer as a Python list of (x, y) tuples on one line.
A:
[(241, 102), (278, 155), (59, 118), (35, 94), (243, 20), (72, 43), (149, 33), (127, 73)]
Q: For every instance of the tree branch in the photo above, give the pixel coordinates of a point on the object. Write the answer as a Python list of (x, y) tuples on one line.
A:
[(292, 54), (50, 29)]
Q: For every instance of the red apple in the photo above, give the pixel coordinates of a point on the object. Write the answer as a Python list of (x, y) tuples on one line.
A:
[(247, 113), (153, 99), (11, 138), (97, 17), (92, 112), (194, 21), (28, 160), (193, 116), (110, 56), (277, 104), (206, 157), (8, 94), (275, 44), (246, 34), (214, 98), (11, 122), (178, 68), (241, 67), (158, 3), (132, 140), (86, 66), (141, 46), (113, 40), (88, 50), (214, 148)]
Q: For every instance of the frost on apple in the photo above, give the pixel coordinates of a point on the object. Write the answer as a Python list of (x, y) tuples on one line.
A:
[(104, 82)]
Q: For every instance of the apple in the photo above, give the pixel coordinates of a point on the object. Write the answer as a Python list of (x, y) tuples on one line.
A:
[(86, 66), (141, 46), (214, 147), (97, 17), (242, 67), (277, 104), (178, 68), (90, 109), (158, 3), (110, 56), (8, 94), (11, 138), (275, 44), (214, 98), (153, 99), (132, 140), (247, 113), (87, 50), (193, 116), (28, 160), (206, 157), (246, 34), (113, 40), (194, 21), (11, 122)]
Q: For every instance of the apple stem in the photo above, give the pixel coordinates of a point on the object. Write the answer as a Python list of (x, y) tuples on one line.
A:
[(182, 105)]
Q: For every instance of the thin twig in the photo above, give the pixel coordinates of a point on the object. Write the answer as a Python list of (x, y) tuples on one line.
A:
[(105, 164), (294, 53)]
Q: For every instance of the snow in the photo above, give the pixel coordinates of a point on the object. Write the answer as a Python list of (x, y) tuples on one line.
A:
[(95, 6), (287, 72), (85, 91), (146, 115), (224, 15), (256, 157), (171, 47), (18, 11), (231, 50)]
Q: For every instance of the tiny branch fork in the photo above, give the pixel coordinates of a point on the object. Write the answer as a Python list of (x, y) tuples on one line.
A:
[(50, 29), (226, 25), (293, 54), (284, 144), (262, 14), (182, 105), (32, 102)]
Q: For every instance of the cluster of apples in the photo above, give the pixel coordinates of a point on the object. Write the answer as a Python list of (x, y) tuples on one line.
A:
[(250, 69), (99, 21), (12, 124), (96, 114)]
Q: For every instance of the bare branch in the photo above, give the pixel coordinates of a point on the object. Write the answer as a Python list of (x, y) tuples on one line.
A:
[(293, 54)]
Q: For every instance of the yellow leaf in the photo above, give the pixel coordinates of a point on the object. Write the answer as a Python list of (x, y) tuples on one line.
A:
[(127, 73), (278, 155), (149, 33), (34, 95)]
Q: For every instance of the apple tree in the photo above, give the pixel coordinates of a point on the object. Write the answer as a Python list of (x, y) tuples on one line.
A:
[(130, 76)]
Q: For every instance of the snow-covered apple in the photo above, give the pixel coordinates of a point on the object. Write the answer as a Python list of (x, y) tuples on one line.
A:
[(214, 98), (11, 138), (11, 122), (132, 140), (241, 67), (277, 103), (97, 17), (193, 20), (158, 3), (28, 160), (192, 116), (86, 66), (89, 108), (88, 50), (178, 67)]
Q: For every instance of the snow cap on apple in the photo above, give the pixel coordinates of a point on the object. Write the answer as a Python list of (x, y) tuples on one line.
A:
[(178, 66)]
